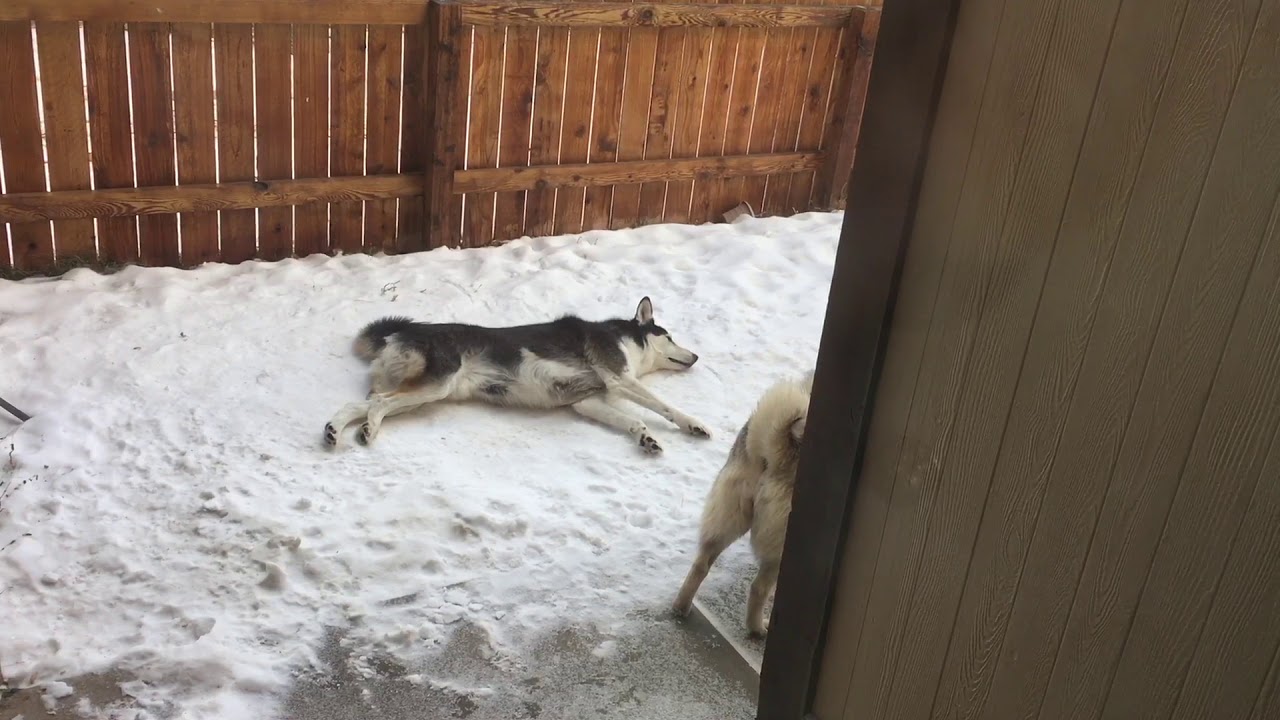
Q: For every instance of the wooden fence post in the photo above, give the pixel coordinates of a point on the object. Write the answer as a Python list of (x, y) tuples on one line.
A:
[(857, 52), (445, 130)]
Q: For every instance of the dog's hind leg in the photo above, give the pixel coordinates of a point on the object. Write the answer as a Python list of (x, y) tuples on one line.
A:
[(599, 409), (385, 405), (636, 392), (761, 588), (339, 422), (725, 519)]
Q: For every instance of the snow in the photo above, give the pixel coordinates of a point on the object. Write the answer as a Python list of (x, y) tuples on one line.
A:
[(188, 529)]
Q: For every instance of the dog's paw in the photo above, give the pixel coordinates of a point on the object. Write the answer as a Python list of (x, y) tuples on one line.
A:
[(365, 435), (758, 630), (695, 428), (681, 609), (649, 445), (330, 435)]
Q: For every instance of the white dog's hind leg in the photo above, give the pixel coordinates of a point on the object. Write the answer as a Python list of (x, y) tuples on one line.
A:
[(599, 409), (724, 519), (761, 588), (348, 414), (637, 393), (383, 406)]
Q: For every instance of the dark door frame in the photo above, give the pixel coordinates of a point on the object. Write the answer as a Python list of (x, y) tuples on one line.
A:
[(906, 80)]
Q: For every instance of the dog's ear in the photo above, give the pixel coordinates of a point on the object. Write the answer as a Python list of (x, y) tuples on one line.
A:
[(644, 311)]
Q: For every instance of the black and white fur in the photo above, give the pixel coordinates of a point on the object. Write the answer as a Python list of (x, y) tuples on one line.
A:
[(753, 492), (588, 366)]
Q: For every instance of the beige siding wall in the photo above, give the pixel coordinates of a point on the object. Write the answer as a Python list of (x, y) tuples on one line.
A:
[(1071, 503)]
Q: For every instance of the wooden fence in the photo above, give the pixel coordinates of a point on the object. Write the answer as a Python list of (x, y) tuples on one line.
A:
[(168, 132)]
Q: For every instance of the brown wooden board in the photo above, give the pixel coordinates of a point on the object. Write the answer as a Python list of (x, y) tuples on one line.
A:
[(575, 128), (109, 132), (483, 128), (1073, 616), (844, 114), (351, 12), (663, 117), (311, 132), (548, 106), (616, 14), (444, 65), (692, 80), (273, 49), (517, 113), (415, 106), (195, 138), (153, 136), (826, 60), (768, 111), (611, 59), (382, 144), (629, 171), (20, 140), (346, 138), (797, 57), (715, 112), (722, 195), (638, 89), (233, 65), (66, 133), (169, 199)]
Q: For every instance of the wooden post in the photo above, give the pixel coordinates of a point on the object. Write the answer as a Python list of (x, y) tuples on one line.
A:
[(857, 52), (446, 113)]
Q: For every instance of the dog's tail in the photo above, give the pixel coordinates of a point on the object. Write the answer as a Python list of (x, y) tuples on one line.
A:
[(777, 425), (370, 341)]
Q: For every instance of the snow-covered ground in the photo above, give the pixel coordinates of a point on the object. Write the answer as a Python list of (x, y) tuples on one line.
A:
[(181, 523)]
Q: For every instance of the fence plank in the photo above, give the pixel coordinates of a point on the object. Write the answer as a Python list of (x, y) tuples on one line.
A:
[(796, 56), (724, 194), (605, 174), (233, 61), (311, 132), (605, 116), (153, 136), (169, 199), (642, 45), (20, 138), (346, 149), (273, 50), (575, 129), (517, 113), (67, 136), (615, 14), (447, 45), (109, 131), (663, 101), (840, 139), (482, 129), (548, 103), (826, 45), (351, 12), (767, 113), (692, 76), (197, 151), (719, 93), (385, 44), (411, 228)]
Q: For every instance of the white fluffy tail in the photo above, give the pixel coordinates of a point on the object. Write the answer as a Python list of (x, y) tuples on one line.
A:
[(777, 425)]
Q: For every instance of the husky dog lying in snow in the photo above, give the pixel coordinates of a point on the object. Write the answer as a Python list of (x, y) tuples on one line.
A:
[(753, 492), (588, 366)]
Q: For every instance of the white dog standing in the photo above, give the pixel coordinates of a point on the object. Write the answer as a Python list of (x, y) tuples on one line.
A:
[(752, 493)]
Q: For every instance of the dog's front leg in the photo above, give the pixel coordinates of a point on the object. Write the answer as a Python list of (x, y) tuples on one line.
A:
[(599, 409), (637, 393)]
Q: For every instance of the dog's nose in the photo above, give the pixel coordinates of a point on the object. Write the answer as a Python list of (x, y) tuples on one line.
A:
[(695, 358)]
